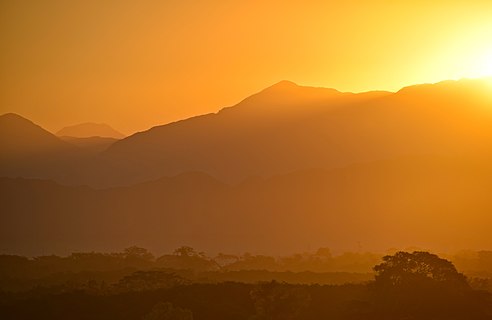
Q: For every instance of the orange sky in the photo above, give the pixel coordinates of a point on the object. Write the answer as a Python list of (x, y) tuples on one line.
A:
[(135, 64)]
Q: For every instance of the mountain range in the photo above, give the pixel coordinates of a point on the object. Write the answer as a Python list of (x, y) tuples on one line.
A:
[(285, 128), (284, 170)]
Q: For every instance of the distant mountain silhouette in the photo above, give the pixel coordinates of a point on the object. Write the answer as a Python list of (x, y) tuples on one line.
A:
[(93, 145), (20, 137), (441, 203), (27, 150), (286, 128), (89, 129)]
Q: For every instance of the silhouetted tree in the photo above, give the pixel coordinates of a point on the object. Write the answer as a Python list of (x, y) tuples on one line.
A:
[(187, 258), (411, 269), (138, 253), (420, 285), (186, 251), (223, 259)]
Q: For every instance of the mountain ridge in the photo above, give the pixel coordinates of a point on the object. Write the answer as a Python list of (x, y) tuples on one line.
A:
[(365, 116), (285, 128), (20, 136)]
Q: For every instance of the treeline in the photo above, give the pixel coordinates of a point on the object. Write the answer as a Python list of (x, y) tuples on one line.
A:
[(188, 258), (17, 272), (104, 270), (417, 285)]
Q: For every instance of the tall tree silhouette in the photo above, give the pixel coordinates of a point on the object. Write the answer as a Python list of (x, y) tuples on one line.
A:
[(420, 285), (417, 268)]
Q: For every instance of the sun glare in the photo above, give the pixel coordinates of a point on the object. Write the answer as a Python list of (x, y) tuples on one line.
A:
[(479, 65), (483, 66)]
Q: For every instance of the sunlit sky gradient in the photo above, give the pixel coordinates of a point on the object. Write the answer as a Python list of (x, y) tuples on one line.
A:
[(135, 64)]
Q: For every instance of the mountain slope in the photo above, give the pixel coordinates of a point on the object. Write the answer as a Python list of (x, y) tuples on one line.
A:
[(288, 127), (20, 137), (267, 133), (27, 150)]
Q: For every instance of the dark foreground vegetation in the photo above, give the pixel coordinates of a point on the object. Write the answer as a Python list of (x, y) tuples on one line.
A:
[(188, 285)]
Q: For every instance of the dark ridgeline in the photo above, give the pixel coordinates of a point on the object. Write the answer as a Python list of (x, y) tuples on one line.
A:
[(136, 285)]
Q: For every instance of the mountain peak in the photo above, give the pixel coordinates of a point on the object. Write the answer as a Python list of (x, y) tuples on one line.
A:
[(13, 117), (12, 123), (284, 84), (20, 136), (90, 129), (286, 87)]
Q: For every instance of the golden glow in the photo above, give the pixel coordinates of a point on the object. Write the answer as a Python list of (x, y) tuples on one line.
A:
[(463, 53), (482, 65), (137, 64)]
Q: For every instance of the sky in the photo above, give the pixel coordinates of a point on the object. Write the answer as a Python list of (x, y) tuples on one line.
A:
[(137, 64)]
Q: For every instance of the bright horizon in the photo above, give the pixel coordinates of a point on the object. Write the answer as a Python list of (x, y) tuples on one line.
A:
[(137, 65)]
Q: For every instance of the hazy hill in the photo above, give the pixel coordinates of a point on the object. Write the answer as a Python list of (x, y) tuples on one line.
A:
[(274, 131), (20, 137), (437, 203), (89, 129), (27, 150), (288, 127)]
